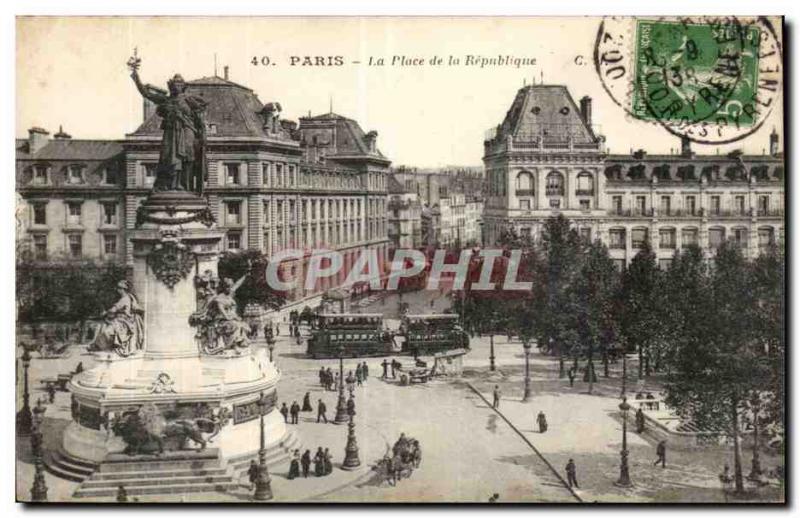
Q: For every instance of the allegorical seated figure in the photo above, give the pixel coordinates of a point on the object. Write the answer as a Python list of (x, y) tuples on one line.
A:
[(122, 330), (220, 326)]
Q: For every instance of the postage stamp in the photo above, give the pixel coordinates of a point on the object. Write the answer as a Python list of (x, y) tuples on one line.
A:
[(713, 80)]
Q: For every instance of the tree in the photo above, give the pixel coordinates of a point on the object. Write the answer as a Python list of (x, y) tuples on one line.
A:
[(716, 368), (641, 323), (255, 289), (596, 318)]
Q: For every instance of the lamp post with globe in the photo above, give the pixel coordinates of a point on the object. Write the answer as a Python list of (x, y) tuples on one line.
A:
[(624, 476), (263, 481), (526, 344), (341, 404), (24, 417), (39, 488)]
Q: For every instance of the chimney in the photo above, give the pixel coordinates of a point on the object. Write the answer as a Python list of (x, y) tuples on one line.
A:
[(371, 139), (586, 110), (61, 135), (225, 72), (148, 109), (37, 139), (773, 142), (686, 147)]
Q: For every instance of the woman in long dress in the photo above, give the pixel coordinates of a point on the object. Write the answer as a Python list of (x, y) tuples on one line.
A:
[(294, 467), (319, 463)]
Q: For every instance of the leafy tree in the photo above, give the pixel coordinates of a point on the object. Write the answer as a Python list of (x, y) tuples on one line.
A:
[(255, 289), (641, 322)]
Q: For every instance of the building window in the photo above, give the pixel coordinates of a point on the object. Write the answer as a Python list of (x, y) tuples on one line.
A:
[(233, 212), (74, 212), (40, 214), (666, 205), (149, 173), (666, 238), (75, 174), (616, 204), (716, 236), (763, 205), (664, 264), (766, 237), (75, 245), (265, 171), (109, 213), (616, 238), (234, 241), (585, 185), (688, 237), (740, 237), (40, 175), (715, 205), (110, 245), (641, 205), (555, 184), (266, 212), (232, 174), (740, 206), (691, 205), (291, 175), (266, 241), (638, 237), (525, 204), (110, 176), (40, 247), (585, 204), (279, 175)]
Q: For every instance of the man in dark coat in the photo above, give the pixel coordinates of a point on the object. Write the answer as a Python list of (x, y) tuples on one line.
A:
[(321, 409), (572, 478), (294, 411), (661, 452), (394, 366), (305, 463), (323, 377), (496, 397), (385, 365), (541, 420), (365, 371), (285, 411), (252, 473), (639, 421), (571, 375)]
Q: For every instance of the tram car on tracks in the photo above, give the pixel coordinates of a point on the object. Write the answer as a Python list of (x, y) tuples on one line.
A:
[(358, 334), (430, 334)]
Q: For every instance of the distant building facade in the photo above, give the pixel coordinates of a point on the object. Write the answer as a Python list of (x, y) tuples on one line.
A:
[(272, 184), (546, 158)]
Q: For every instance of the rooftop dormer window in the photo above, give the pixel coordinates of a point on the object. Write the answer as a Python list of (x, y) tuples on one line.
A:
[(40, 174), (75, 174)]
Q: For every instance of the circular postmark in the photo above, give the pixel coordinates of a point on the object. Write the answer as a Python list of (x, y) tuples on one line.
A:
[(713, 80)]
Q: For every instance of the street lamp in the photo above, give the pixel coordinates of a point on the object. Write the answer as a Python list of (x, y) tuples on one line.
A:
[(263, 481), (351, 460), (39, 488), (624, 476), (341, 404), (24, 419), (527, 345), (624, 370)]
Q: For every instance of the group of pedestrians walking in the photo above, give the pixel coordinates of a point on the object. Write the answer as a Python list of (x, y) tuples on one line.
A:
[(291, 415), (301, 464)]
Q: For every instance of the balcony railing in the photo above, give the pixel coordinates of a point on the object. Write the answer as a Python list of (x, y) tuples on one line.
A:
[(631, 213), (554, 191), (524, 192), (584, 192)]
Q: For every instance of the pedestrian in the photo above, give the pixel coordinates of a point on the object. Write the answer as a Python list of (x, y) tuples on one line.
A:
[(496, 397), (307, 403), (385, 365), (572, 478), (350, 380), (294, 466), (365, 371), (322, 374), (639, 420), (321, 409), (394, 366), (336, 381), (541, 420), (359, 371), (252, 473), (51, 394), (277, 329), (285, 412), (294, 411), (661, 452), (305, 463), (571, 374), (359, 376), (79, 368), (331, 380), (327, 462), (319, 463)]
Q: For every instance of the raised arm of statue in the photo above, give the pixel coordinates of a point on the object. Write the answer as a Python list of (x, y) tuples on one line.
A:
[(150, 92)]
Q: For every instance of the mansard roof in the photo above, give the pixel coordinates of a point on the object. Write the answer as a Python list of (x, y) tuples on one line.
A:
[(349, 138), (69, 150), (547, 110)]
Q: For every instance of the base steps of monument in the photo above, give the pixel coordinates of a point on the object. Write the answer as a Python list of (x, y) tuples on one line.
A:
[(68, 468)]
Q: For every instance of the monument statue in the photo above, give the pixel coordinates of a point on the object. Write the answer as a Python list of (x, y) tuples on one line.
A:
[(122, 330), (181, 164), (220, 326)]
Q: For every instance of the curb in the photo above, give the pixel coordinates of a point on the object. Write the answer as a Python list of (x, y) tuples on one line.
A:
[(529, 443)]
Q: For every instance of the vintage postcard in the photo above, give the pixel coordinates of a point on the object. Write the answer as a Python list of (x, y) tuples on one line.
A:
[(400, 259)]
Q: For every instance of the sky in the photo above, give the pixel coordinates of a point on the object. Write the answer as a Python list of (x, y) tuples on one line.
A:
[(71, 71)]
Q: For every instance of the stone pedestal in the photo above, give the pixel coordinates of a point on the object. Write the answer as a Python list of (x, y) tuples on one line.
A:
[(174, 243)]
